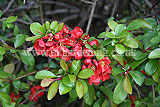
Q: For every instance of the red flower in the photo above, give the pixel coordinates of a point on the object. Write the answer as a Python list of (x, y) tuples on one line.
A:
[(59, 35), (143, 71), (49, 38), (69, 41), (66, 30), (34, 96), (88, 53), (77, 52), (14, 97), (85, 37), (53, 52), (87, 61), (132, 98), (39, 46), (84, 67), (77, 33), (95, 41), (65, 54)]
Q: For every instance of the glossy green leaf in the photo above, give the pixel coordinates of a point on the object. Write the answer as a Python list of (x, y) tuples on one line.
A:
[(137, 63), (154, 54), (9, 68), (47, 25), (127, 86), (16, 30), (5, 97), (59, 27), (5, 88), (72, 78), (64, 65), (8, 104), (123, 34), (79, 89), (88, 46), (119, 59), (138, 55), (37, 29), (53, 25), (84, 85), (52, 90), (116, 71), (149, 81), (32, 38), (155, 40), (4, 74), (119, 28), (43, 74), (151, 66), (112, 24), (110, 35), (136, 24), (27, 58), (20, 38), (131, 43), (120, 49), (119, 93), (102, 35), (46, 82), (156, 75), (85, 73), (66, 81), (137, 76), (0, 13), (99, 54), (75, 67), (11, 19), (63, 89), (2, 50)]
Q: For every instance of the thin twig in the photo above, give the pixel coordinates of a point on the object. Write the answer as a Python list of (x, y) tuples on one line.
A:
[(87, 2), (25, 75), (91, 16), (153, 94), (41, 11), (114, 8), (153, 7), (9, 5), (137, 91), (3, 41)]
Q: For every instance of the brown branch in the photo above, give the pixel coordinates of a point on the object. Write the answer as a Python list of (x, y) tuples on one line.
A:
[(153, 94), (9, 5), (41, 11), (25, 75)]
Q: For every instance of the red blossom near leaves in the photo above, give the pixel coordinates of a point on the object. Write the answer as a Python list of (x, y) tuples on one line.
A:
[(65, 54), (87, 61), (58, 35), (66, 30), (40, 46), (69, 41), (88, 53), (132, 98), (85, 37), (14, 97), (77, 32), (53, 52), (34, 96), (95, 41), (77, 52)]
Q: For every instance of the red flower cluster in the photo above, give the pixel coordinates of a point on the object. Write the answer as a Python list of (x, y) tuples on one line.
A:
[(14, 97), (34, 96), (132, 98), (101, 69)]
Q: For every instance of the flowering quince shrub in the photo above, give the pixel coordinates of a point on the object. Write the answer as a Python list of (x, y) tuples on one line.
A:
[(121, 67)]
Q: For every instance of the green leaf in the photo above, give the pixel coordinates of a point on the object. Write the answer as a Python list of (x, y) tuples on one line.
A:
[(16, 30), (8, 104), (120, 49), (2, 50), (156, 75), (99, 54), (5, 97), (119, 93), (0, 13), (52, 90), (102, 35), (72, 78), (64, 65), (137, 63), (9, 68), (110, 35), (79, 89), (127, 86), (63, 89), (46, 82), (136, 24), (75, 67), (24, 86), (5, 88), (108, 92), (137, 76), (1, 57), (47, 25), (131, 43), (123, 34), (53, 25), (119, 59), (20, 38), (32, 38), (138, 55), (116, 71), (119, 29), (59, 27), (11, 19), (151, 66), (154, 54), (149, 81), (27, 58), (84, 85), (88, 46), (112, 24), (85, 73), (43, 74), (155, 40), (4, 74), (66, 81), (89, 96), (37, 29)]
